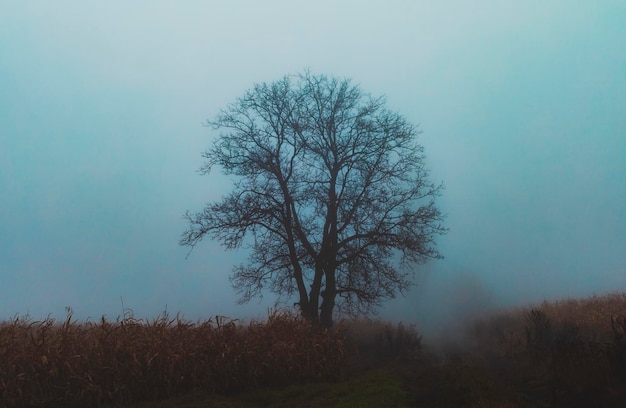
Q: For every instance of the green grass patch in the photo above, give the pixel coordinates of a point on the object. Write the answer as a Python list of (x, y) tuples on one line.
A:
[(375, 389)]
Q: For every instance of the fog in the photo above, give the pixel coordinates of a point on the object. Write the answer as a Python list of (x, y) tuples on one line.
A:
[(101, 110)]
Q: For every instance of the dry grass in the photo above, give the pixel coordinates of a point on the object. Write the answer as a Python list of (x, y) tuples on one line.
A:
[(593, 318), (566, 353), (88, 364)]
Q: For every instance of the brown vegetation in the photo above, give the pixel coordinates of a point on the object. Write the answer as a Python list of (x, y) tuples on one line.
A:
[(129, 360), (567, 353)]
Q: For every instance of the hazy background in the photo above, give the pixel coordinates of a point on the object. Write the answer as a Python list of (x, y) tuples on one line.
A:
[(522, 105)]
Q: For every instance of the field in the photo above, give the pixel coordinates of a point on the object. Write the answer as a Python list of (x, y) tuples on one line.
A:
[(565, 353)]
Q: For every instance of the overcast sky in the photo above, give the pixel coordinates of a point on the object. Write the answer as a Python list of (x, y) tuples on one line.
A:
[(522, 107)]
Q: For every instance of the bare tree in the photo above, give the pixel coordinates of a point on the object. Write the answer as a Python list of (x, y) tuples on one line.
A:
[(331, 194)]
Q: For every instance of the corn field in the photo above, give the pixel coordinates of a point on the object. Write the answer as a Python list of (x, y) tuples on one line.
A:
[(45, 363)]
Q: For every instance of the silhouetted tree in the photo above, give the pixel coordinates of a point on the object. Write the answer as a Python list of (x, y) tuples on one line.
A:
[(331, 190)]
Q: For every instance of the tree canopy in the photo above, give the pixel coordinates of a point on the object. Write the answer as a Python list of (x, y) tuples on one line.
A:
[(331, 194)]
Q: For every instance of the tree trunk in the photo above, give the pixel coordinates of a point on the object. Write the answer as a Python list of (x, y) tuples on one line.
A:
[(328, 300), (314, 295), (303, 303), (305, 309)]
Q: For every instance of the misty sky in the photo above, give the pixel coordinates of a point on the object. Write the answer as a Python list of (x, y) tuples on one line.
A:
[(522, 107)]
